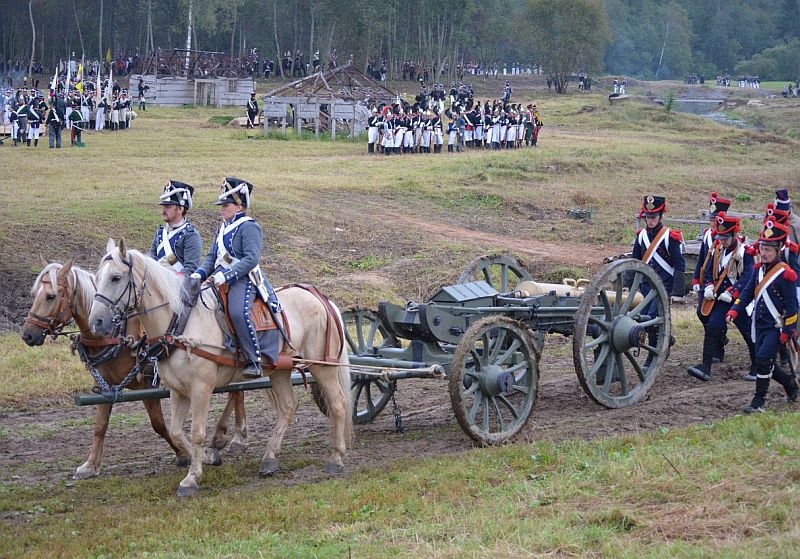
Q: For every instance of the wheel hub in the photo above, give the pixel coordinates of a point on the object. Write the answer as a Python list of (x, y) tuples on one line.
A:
[(495, 380), (626, 333)]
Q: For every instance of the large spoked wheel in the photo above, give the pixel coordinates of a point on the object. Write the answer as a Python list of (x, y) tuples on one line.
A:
[(364, 333), (501, 271), (622, 337), (493, 379)]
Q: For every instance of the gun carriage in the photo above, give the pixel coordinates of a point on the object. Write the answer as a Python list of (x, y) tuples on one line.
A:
[(485, 336)]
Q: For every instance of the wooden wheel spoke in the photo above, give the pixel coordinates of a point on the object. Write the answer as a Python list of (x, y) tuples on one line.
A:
[(514, 368), (617, 287), (507, 403), (498, 344), (603, 296), (635, 364), (654, 350), (601, 339), (521, 388), (646, 301), (359, 389), (599, 322), (599, 361), (362, 345), (637, 280), (623, 379), (501, 422), (471, 390), (503, 278), (652, 322), (370, 403), (485, 412), (611, 364), (508, 353), (371, 337), (476, 405)]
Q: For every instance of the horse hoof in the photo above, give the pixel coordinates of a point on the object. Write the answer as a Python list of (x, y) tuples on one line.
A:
[(211, 457), (236, 448), (85, 473), (187, 490), (183, 461), (219, 444), (269, 467), (332, 469)]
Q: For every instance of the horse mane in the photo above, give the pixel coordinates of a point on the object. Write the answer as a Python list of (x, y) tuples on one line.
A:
[(159, 278), (84, 281)]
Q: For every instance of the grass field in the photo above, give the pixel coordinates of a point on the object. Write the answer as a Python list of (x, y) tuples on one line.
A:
[(727, 490), (367, 229)]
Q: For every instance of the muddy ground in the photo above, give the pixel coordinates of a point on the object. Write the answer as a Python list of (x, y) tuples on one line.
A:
[(48, 441)]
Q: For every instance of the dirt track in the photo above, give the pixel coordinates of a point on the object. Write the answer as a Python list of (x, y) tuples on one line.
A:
[(46, 444)]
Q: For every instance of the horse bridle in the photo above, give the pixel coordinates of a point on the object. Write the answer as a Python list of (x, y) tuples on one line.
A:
[(118, 314), (54, 325), (121, 315)]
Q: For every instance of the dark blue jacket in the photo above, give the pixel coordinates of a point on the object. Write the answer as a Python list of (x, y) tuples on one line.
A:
[(783, 293), (670, 250)]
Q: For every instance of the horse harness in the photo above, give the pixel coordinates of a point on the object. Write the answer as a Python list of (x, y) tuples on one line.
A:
[(163, 345)]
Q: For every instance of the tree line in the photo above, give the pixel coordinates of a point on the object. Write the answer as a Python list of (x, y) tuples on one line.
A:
[(643, 38)]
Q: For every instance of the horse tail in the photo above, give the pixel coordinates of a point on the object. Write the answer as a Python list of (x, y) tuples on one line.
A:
[(345, 381)]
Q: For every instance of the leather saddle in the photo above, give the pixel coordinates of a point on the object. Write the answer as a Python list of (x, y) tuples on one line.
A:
[(260, 315)]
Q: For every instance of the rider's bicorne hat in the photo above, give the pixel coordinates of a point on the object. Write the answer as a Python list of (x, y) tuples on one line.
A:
[(177, 194), (774, 233), (726, 226), (652, 205), (782, 201), (717, 204), (235, 191)]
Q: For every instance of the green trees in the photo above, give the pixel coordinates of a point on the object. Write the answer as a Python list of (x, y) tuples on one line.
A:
[(645, 38), (568, 36)]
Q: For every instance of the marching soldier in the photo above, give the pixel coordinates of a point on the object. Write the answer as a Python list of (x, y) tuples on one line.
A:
[(771, 290), (177, 243), (716, 204), (234, 261), (436, 135), (252, 110), (727, 273), (662, 249)]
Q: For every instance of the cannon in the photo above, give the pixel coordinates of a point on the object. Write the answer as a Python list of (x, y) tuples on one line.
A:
[(485, 336)]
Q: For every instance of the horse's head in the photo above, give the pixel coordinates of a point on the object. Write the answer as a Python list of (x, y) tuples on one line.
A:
[(52, 303), (124, 277), (117, 292)]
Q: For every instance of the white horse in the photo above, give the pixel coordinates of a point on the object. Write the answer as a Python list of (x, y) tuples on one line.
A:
[(65, 293), (129, 282)]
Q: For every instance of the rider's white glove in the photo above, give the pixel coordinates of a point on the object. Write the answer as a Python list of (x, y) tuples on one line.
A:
[(708, 293), (696, 288), (196, 276), (725, 297), (219, 278)]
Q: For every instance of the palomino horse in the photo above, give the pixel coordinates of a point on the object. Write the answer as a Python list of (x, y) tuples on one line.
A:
[(130, 282), (65, 293)]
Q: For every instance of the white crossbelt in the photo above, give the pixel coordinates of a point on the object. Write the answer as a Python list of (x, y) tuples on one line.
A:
[(767, 301), (255, 274), (166, 246), (645, 240)]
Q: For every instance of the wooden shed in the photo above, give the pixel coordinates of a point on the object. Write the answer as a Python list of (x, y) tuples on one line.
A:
[(340, 95), (175, 91)]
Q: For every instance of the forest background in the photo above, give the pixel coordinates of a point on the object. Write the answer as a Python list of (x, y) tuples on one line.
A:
[(641, 38)]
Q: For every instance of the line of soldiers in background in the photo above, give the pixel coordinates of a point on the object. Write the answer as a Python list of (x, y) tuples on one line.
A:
[(402, 128), (24, 111)]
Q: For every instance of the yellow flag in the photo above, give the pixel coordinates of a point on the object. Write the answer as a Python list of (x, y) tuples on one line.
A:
[(79, 85), (108, 55)]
